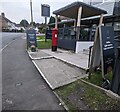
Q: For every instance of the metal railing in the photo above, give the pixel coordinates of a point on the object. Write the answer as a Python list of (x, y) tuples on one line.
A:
[(67, 33), (70, 33)]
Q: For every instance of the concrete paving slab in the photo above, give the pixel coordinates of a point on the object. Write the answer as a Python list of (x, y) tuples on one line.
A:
[(38, 55), (57, 73), (80, 59)]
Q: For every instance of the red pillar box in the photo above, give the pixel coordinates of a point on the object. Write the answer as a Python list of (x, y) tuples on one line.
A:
[(54, 39)]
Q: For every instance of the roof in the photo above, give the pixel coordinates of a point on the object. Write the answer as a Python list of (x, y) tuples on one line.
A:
[(18, 25), (71, 10), (4, 18)]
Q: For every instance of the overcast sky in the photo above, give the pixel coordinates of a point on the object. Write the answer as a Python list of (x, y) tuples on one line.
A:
[(17, 10)]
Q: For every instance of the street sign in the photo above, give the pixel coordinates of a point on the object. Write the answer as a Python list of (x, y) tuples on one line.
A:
[(103, 50), (45, 10), (31, 38), (107, 36), (48, 34)]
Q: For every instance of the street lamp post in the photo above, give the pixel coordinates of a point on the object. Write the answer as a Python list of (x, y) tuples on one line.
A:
[(31, 13)]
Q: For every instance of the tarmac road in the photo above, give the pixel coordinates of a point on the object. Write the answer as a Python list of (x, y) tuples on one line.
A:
[(8, 37), (22, 86)]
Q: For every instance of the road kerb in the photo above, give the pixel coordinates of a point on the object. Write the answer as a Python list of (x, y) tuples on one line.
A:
[(39, 58), (107, 92), (42, 74), (62, 102)]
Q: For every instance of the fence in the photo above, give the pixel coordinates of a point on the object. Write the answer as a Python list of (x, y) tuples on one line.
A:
[(67, 37)]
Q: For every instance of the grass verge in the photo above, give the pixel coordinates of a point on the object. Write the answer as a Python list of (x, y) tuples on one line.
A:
[(93, 98), (40, 37), (96, 78), (43, 44)]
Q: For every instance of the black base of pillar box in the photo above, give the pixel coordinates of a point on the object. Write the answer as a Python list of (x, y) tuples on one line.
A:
[(33, 49), (54, 48)]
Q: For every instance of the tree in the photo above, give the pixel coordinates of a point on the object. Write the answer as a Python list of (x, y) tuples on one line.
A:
[(51, 20), (37, 24), (24, 23), (42, 28), (34, 24), (59, 19)]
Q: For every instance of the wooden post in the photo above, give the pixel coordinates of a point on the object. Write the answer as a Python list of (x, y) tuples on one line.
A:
[(56, 22), (102, 63), (101, 20), (97, 35), (79, 16), (93, 54), (75, 25), (79, 22)]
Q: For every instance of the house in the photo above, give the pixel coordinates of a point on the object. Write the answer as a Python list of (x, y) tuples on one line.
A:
[(19, 27), (6, 24)]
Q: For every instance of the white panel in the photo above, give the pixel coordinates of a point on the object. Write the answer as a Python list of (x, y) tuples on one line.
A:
[(80, 46)]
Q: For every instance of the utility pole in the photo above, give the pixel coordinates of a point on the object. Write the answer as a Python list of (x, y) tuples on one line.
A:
[(45, 20), (31, 13)]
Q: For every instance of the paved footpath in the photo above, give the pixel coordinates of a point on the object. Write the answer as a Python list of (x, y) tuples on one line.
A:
[(23, 87), (59, 68)]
